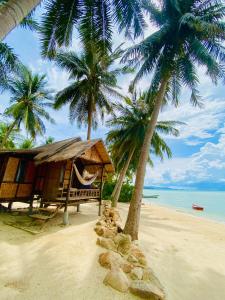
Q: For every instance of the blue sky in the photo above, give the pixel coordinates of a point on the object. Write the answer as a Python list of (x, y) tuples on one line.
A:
[(198, 153)]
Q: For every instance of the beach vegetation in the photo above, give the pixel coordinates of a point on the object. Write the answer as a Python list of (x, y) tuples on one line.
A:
[(125, 193), (30, 97), (127, 133), (189, 35), (95, 21), (93, 84), (9, 61), (26, 143)]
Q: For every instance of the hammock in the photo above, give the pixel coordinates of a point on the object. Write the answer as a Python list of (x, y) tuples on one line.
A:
[(82, 180)]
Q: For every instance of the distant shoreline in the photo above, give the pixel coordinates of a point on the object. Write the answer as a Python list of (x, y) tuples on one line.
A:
[(183, 211), (181, 189)]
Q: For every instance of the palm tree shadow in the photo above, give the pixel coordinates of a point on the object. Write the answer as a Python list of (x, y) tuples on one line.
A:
[(9, 233)]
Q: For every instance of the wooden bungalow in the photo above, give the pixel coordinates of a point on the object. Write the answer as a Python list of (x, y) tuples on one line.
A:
[(65, 173)]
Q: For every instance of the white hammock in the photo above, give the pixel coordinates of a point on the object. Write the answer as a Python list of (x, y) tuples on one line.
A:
[(82, 180)]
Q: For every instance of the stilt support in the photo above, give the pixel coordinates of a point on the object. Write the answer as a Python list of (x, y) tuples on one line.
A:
[(31, 207), (100, 209), (66, 218), (10, 205)]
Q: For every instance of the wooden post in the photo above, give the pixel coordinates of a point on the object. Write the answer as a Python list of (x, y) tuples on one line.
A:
[(31, 206), (101, 186), (66, 215), (10, 205), (33, 192), (78, 207)]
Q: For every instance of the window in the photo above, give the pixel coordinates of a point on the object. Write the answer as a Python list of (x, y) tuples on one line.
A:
[(21, 171)]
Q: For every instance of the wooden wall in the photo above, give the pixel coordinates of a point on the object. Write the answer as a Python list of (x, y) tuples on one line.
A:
[(9, 188), (11, 169), (52, 180), (67, 174)]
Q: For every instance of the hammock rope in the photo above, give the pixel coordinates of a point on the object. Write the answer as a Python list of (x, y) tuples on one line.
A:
[(82, 180)]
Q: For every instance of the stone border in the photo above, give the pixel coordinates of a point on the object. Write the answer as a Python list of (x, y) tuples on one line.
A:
[(127, 264)]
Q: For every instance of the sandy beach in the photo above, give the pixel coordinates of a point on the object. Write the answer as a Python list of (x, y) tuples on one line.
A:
[(187, 254)]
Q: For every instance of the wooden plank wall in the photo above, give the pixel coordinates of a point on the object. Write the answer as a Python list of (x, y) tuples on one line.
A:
[(10, 189), (11, 169), (67, 174), (52, 180)]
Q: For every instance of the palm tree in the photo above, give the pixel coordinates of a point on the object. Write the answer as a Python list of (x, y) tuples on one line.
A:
[(27, 144), (49, 140), (9, 62), (29, 98), (128, 133), (10, 144), (95, 19), (13, 12), (189, 33), (94, 82)]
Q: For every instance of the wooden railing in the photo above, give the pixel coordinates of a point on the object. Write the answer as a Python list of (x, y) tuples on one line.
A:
[(78, 194)]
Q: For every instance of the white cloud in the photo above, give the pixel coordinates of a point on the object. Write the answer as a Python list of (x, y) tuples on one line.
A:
[(206, 165), (200, 123), (57, 79)]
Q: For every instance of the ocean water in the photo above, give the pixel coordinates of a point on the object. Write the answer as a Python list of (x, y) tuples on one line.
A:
[(213, 202)]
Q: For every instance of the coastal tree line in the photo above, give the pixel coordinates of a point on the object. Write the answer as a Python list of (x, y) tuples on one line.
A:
[(189, 34)]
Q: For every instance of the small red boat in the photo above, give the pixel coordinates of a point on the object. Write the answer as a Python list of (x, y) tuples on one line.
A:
[(197, 207)]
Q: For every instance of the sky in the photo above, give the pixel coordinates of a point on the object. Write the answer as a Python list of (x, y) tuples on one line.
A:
[(198, 160)]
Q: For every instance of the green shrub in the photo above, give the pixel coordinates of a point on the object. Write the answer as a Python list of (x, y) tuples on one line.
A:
[(126, 191)]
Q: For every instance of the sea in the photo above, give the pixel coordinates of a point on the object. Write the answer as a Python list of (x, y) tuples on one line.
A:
[(213, 202)]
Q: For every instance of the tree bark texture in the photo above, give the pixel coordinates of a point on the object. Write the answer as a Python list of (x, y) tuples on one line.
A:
[(133, 218)]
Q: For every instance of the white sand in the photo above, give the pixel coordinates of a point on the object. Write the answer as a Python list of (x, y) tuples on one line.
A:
[(186, 253)]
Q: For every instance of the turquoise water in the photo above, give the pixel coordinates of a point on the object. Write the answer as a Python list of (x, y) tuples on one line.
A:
[(213, 202)]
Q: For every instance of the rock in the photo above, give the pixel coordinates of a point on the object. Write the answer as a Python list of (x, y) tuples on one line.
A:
[(101, 223), (114, 215), (117, 280), (109, 232), (136, 273), (148, 275), (99, 230), (117, 238), (105, 231), (127, 267), (106, 212), (136, 252), (143, 262), (132, 259), (146, 290), (106, 243), (110, 259), (139, 255), (123, 242)]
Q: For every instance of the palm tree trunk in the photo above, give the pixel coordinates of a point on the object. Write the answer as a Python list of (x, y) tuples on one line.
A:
[(13, 12), (132, 223), (90, 116), (5, 138), (119, 184), (89, 124)]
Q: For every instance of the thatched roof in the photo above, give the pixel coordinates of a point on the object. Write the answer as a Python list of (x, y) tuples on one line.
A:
[(70, 149)]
